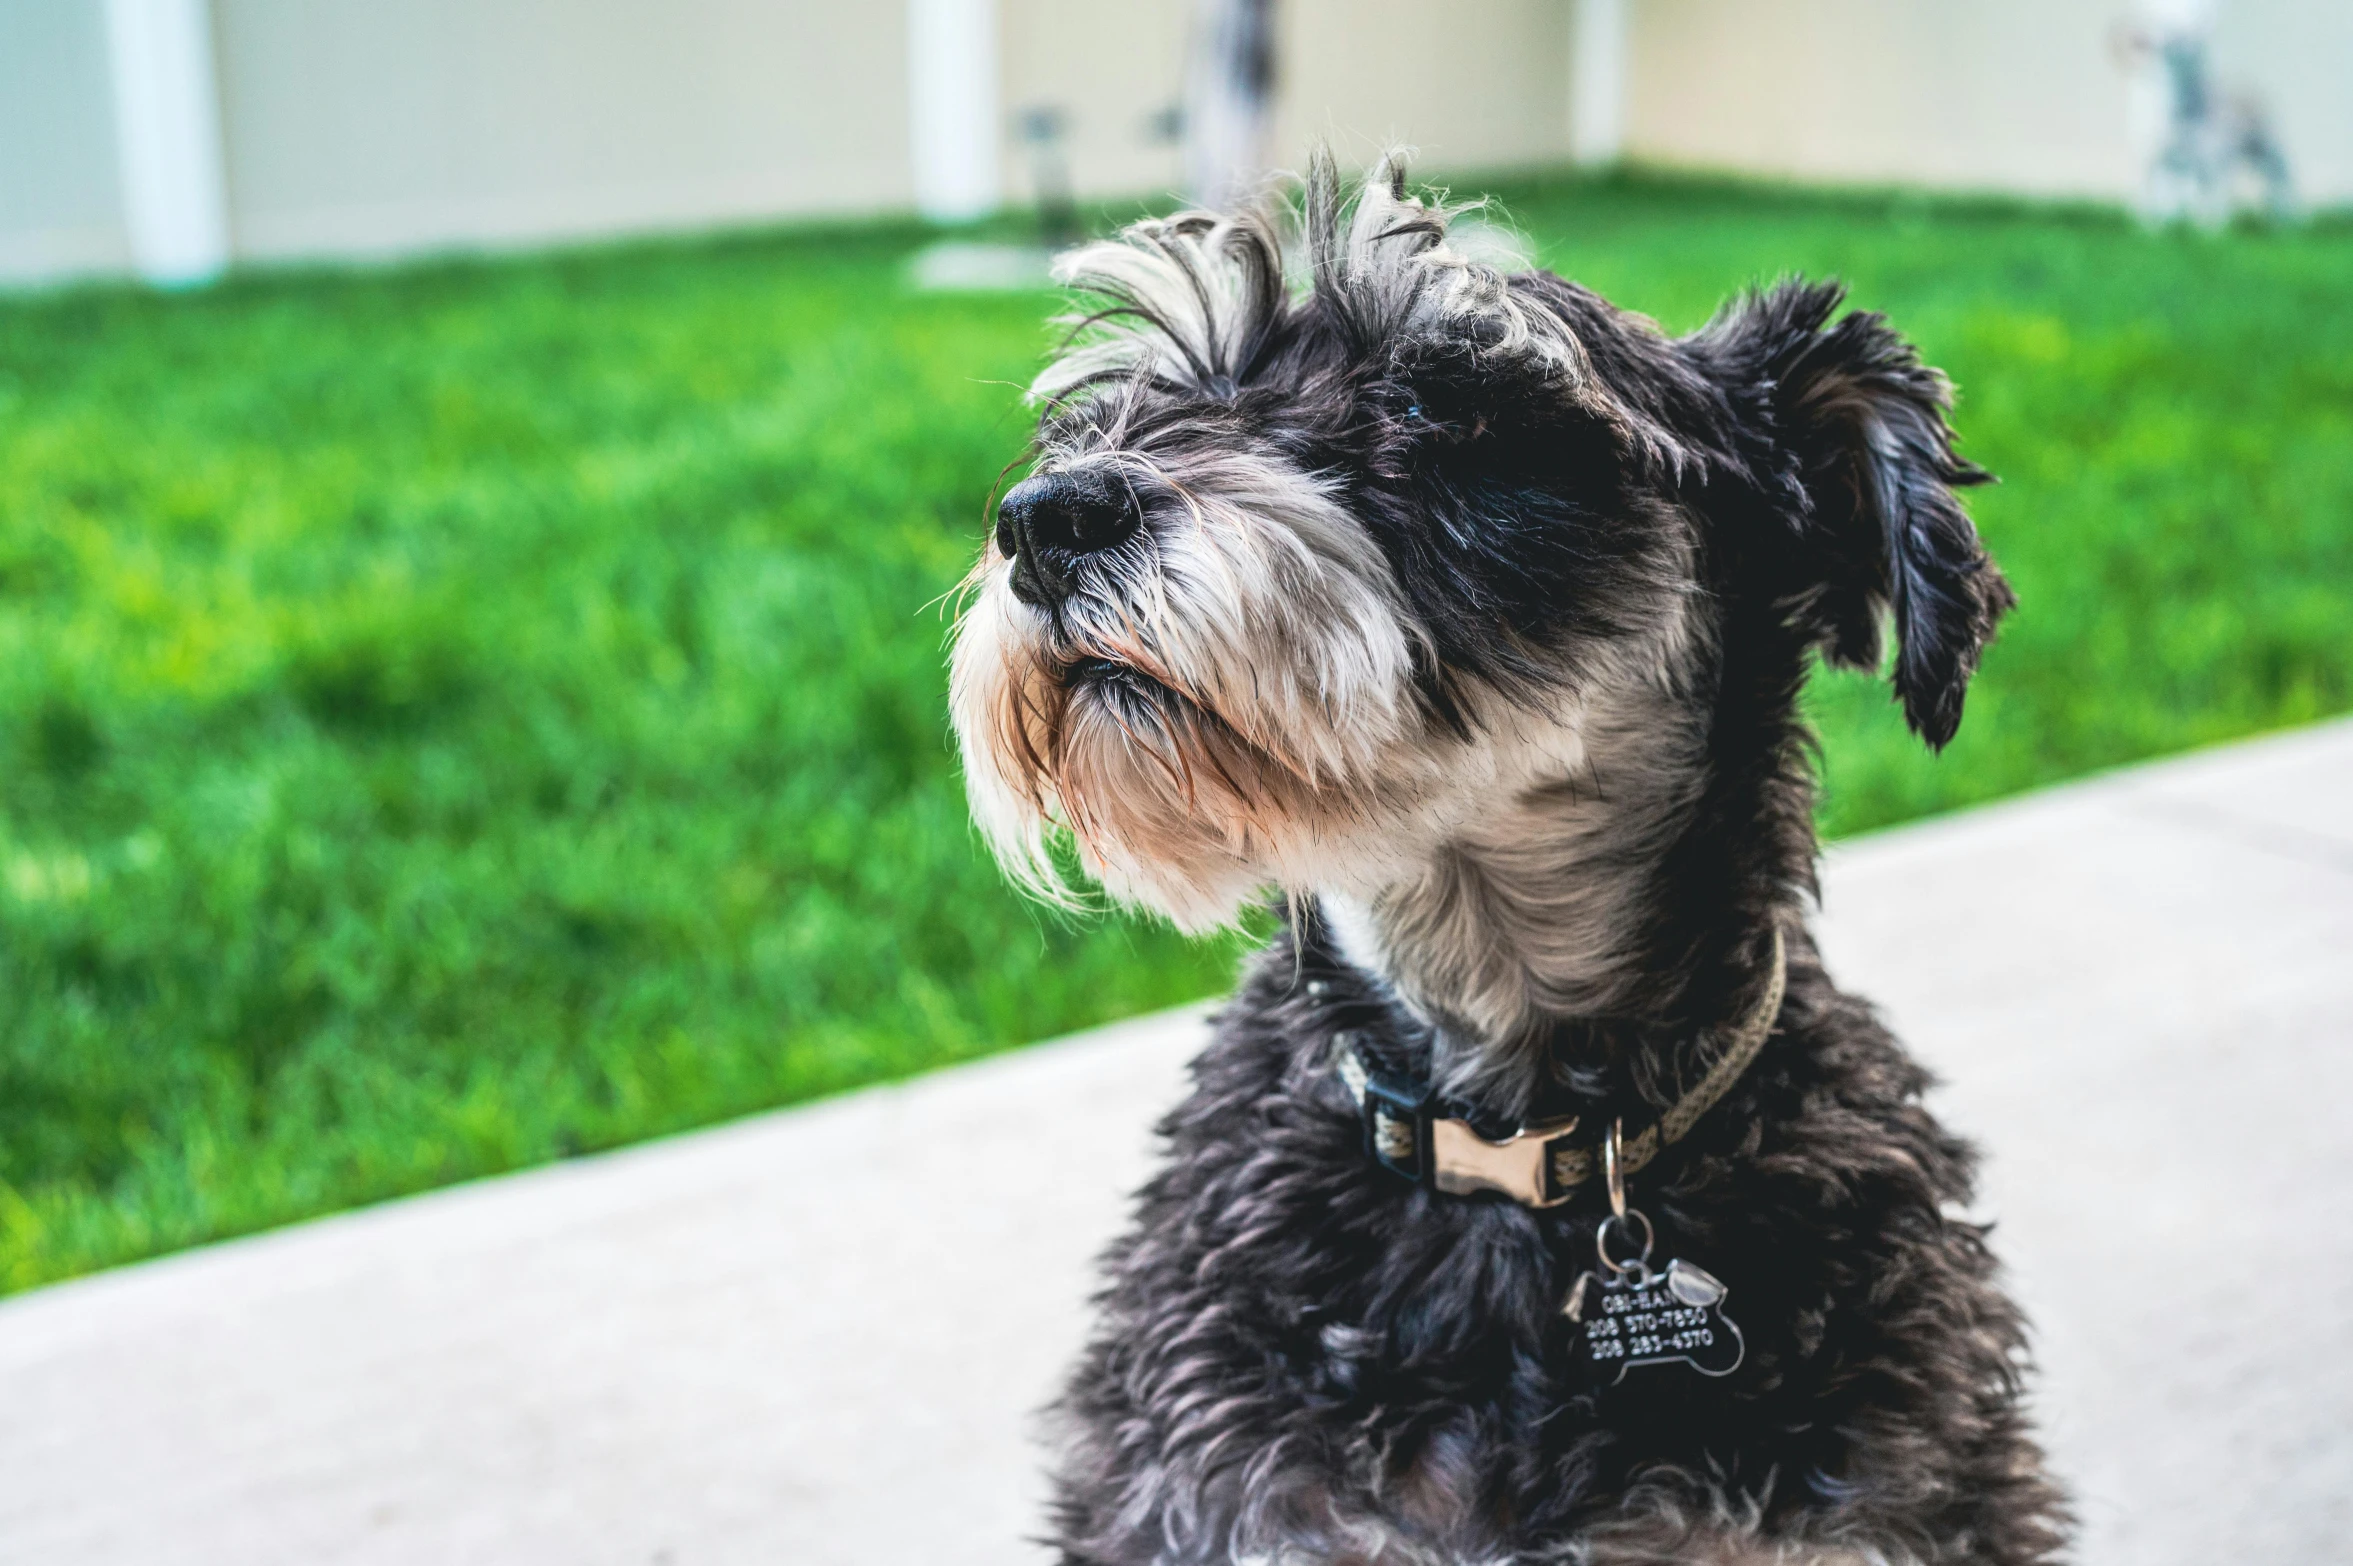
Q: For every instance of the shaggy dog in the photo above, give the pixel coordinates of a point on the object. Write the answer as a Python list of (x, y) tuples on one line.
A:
[(1469, 613)]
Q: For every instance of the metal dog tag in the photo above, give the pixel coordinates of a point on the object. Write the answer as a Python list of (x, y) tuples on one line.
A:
[(1634, 1316), (1628, 1315)]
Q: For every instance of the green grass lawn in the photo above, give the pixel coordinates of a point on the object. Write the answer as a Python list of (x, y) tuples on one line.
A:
[(459, 717)]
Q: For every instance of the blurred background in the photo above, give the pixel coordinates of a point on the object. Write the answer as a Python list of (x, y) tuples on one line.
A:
[(478, 479)]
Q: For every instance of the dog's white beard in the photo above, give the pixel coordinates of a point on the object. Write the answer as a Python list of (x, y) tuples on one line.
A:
[(1275, 628)]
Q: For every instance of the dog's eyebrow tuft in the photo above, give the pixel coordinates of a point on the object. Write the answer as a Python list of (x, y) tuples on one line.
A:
[(1204, 304)]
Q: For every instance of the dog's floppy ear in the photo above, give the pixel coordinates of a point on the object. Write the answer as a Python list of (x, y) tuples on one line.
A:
[(1882, 532)]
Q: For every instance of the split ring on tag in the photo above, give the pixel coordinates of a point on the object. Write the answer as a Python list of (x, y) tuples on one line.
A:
[(1613, 1167), (1625, 1226)]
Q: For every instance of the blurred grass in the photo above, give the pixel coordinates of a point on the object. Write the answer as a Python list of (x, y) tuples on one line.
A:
[(459, 717)]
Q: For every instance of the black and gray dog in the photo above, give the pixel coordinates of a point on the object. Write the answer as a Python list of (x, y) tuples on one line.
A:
[(1539, 1198)]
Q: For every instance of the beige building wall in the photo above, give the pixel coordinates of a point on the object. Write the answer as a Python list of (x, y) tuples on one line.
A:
[(1114, 68), (60, 203), (356, 127), (2297, 56), (1472, 85), (382, 127), (2024, 96), (2012, 95)]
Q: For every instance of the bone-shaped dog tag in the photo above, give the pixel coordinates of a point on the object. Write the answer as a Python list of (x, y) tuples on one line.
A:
[(1628, 1315), (1633, 1316)]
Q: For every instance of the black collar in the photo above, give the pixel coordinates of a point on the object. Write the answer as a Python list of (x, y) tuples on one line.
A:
[(1409, 1131)]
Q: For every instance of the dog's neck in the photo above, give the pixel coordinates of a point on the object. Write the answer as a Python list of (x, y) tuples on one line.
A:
[(1598, 895), (1529, 914)]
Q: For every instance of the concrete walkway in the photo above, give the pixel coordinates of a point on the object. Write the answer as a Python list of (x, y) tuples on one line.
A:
[(813, 1338)]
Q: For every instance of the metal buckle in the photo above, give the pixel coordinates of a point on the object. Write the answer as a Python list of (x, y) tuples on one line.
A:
[(1520, 1166)]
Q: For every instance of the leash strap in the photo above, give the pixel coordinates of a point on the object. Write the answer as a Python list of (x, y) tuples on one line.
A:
[(1405, 1133)]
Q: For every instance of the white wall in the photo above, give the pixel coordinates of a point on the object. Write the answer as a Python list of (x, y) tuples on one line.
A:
[(358, 127), (2016, 95), (61, 208), (1110, 66), (2298, 56), (1472, 85), (2022, 96), (381, 127)]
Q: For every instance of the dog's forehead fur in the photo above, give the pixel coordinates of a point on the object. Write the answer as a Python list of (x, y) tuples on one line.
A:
[(1204, 306)]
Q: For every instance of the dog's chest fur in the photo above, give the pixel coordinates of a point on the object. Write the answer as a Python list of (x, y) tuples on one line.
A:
[(1303, 1358)]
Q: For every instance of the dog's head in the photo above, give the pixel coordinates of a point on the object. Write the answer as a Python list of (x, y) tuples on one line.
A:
[(1311, 572)]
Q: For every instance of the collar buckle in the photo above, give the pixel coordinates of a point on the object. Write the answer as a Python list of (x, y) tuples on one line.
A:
[(1521, 1166), (1404, 1136)]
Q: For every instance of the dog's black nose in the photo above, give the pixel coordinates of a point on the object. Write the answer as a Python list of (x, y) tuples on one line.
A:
[(1048, 524)]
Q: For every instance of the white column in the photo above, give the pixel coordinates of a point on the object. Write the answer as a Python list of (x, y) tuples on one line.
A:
[(1597, 82), (952, 107), (1229, 82), (167, 123)]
